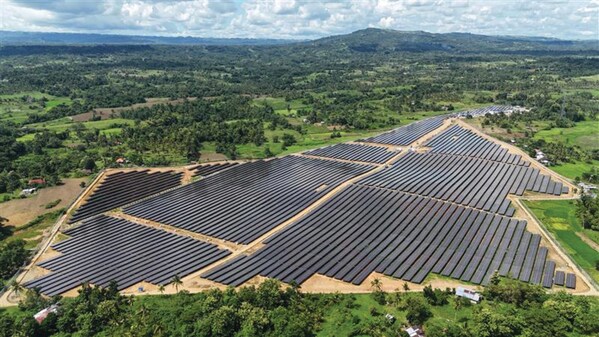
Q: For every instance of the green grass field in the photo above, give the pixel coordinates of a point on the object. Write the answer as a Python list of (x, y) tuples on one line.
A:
[(340, 320), (559, 217), (573, 170), (585, 134), (63, 124)]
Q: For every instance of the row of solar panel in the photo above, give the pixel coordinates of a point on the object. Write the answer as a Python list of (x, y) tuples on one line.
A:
[(474, 182), (365, 229), (120, 188), (408, 134), (103, 249), (207, 169), (459, 141), (246, 201), (355, 152)]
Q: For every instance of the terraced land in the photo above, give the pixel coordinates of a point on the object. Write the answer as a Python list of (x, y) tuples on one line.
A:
[(440, 208)]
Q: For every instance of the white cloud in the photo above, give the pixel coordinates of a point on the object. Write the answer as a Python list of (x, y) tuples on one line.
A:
[(303, 18)]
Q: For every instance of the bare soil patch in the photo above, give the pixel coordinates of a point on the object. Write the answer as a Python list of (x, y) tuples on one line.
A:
[(21, 211), (105, 113)]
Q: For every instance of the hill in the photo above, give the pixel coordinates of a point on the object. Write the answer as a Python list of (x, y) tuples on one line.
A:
[(373, 40), (37, 38)]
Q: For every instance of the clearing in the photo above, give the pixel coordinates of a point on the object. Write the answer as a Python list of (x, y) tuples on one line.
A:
[(21, 211), (559, 217)]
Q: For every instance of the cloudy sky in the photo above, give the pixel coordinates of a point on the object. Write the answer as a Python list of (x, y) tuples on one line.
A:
[(299, 19)]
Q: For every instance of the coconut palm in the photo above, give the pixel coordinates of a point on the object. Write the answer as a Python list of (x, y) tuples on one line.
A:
[(376, 284), (176, 281), (161, 288), (16, 287)]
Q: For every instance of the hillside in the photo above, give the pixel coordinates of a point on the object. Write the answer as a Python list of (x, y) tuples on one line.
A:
[(41, 38), (373, 40)]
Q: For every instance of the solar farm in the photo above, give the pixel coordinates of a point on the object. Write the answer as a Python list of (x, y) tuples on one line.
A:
[(434, 202)]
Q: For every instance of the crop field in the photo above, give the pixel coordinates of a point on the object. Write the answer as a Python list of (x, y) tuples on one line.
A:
[(560, 219), (441, 207)]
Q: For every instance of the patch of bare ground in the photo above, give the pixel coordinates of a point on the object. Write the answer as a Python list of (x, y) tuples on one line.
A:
[(20, 211), (212, 157), (106, 113)]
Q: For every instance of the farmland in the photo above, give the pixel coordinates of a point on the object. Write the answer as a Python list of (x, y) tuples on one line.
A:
[(559, 218)]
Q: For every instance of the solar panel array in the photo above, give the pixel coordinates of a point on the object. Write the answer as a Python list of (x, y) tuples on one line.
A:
[(204, 170), (492, 109), (459, 141), (105, 248), (355, 152), (365, 229), (408, 134), (570, 281), (246, 201), (121, 188), (473, 182)]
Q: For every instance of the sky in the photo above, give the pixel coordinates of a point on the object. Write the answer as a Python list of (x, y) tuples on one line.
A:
[(298, 19)]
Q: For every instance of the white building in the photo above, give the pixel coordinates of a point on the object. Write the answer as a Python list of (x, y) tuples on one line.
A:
[(472, 295)]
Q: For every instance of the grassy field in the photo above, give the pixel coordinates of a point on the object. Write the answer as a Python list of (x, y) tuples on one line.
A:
[(340, 320), (585, 134), (13, 108), (573, 170), (559, 217), (32, 232)]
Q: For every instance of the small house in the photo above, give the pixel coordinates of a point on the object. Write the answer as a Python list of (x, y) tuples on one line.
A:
[(37, 181), (28, 191), (472, 295), (414, 331), (41, 316)]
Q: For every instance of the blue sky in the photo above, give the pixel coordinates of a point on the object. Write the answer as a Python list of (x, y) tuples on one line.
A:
[(303, 19)]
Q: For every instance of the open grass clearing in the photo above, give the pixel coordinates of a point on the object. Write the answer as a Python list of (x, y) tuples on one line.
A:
[(584, 134), (559, 217)]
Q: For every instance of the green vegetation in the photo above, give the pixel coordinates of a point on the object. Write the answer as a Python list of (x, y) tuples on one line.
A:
[(232, 101), (511, 309), (559, 217), (584, 134)]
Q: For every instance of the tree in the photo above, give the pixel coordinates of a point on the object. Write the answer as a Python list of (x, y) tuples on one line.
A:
[(376, 284), (161, 288), (12, 256), (488, 322), (268, 153), (176, 281), (288, 139), (417, 310), (88, 164), (16, 287)]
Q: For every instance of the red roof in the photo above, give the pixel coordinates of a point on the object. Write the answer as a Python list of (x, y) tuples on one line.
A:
[(38, 181)]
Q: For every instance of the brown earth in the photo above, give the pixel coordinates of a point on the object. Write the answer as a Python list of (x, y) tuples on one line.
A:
[(21, 211), (106, 113)]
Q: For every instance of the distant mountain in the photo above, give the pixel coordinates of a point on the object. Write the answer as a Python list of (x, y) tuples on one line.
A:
[(37, 38), (372, 40)]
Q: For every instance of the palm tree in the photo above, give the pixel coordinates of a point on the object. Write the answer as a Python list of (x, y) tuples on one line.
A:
[(16, 287), (176, 281), (161, 288), (457, 305), (376, 284), (406, 287)]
